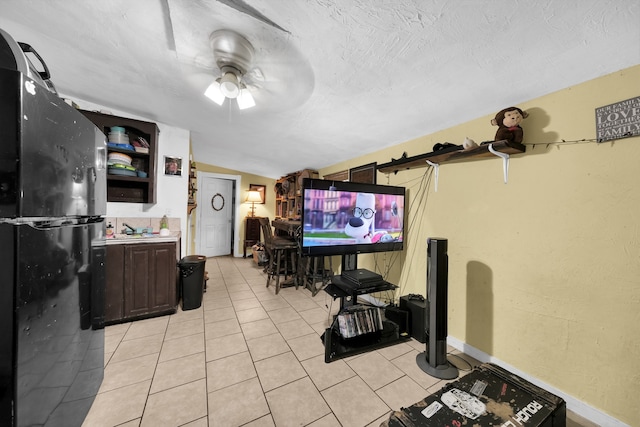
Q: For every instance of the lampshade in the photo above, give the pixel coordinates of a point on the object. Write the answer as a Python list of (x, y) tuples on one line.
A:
[(254, 197), (245, 100), (213, 92)]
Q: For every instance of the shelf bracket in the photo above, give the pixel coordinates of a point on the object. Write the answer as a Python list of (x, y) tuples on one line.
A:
[(436, 166), (505, 161)]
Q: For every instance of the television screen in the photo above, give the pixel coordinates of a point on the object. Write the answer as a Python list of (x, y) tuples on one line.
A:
[(340, 218)]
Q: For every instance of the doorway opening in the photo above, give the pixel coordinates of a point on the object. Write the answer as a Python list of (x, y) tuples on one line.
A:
[(217, 223)]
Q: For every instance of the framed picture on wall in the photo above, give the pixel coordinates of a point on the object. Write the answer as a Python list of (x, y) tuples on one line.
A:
[(172, 166), (365, 174), (260, 189), (338, 176)]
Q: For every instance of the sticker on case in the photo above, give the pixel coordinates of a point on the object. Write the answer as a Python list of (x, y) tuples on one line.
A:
[(463, 403), (430, 410)]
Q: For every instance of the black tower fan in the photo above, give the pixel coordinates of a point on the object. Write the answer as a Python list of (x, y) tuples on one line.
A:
[(433, 361)]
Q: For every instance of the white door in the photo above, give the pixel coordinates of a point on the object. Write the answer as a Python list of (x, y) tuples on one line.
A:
[(216, 216)]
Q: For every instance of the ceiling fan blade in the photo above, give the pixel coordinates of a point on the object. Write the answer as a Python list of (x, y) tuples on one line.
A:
[(242, 7), (255, 74), (168, 25)]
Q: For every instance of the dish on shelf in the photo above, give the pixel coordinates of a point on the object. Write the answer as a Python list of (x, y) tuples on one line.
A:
[(120, 171), (125, 147), (119, 158), (112, 162), (121, 166)]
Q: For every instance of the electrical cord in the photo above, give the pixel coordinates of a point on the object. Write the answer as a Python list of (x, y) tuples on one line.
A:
[(576, 141), (419, 186), (417, 204)]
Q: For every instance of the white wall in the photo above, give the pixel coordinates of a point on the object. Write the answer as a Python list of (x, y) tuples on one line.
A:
[(171, 190)]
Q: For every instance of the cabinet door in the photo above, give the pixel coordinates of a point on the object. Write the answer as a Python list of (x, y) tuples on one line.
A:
[(114, 286), (150, 279), (163, 270)]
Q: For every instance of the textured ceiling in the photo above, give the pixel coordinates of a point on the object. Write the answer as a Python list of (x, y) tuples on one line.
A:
[(338, 78)]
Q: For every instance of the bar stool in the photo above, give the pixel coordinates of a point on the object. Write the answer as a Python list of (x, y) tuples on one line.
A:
[(282, 254), (313, 273)]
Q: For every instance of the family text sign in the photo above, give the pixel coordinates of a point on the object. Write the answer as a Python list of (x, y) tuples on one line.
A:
[(619, 120)]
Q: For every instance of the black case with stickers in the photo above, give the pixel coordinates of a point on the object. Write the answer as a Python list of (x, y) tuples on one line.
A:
[(486, 396)]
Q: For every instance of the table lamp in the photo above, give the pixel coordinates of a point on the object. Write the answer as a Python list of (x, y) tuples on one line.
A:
[(253, 197)]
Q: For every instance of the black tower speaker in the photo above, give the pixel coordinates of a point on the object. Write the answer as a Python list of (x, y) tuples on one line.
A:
[(400, 317), (433, 361)]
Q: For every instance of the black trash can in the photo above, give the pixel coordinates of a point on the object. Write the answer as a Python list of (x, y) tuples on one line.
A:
[(192, 281)]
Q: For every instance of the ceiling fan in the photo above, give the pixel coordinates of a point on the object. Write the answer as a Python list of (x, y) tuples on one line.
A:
[(233, 55), (258, 60)]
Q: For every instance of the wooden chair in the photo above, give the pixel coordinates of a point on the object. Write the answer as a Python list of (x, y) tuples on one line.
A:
[(282, 253)]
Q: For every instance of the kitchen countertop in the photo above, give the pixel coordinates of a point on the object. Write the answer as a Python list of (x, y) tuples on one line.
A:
[(124, 239)]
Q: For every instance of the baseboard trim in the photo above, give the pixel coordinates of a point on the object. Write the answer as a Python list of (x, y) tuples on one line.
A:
[(577, 406)]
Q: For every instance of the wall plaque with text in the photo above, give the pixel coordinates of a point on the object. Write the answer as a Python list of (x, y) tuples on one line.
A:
[(619, 120)]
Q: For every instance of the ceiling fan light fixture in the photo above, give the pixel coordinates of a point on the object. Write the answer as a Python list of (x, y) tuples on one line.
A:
[(214, 93), (245, 100), (229, 85)]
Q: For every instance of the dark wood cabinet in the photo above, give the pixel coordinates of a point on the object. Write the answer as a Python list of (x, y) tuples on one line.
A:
[(114, 287), (149, 279), (251, 233), (289, 194), (132, 189), (141, 281)]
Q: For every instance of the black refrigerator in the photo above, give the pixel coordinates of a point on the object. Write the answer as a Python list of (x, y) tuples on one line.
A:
[(52, 249)]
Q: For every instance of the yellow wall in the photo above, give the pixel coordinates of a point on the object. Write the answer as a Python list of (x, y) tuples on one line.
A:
[(544, 272)]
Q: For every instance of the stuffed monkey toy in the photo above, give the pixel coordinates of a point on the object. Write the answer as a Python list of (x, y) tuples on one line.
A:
[(508, 122)]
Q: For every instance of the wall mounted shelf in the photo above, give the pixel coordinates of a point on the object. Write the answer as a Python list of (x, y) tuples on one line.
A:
[(130, 189), (450, 155)]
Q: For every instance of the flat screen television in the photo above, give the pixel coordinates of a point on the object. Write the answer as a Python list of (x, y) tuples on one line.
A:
[(347, 218)]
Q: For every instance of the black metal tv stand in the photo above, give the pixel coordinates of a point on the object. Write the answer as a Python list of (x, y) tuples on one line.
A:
[(336, 347)]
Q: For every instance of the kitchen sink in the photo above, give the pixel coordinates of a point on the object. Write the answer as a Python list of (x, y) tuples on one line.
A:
[(135, 236)]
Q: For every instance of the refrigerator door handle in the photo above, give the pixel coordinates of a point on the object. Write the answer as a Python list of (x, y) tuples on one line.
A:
[(101, 158), (26, 48), (91, 175)]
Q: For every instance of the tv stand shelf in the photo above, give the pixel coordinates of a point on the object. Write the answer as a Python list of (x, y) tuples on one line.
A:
[(336, 347), (340, 288), (450, 155)]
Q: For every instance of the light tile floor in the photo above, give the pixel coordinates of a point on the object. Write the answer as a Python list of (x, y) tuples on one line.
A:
[(248, 357)]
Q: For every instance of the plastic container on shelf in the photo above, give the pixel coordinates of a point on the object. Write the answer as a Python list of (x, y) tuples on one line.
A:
[(118, 138)]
